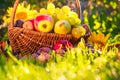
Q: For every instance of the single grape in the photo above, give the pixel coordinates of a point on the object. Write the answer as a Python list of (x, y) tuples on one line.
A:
[(61, 16), (77, 21), (51, 8), (71, 20), (43, 11), (65, 9), (73, 14), (57, 10)]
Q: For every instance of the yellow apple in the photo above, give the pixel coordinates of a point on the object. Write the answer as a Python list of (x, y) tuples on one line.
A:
[(62, 27), (44, 23)]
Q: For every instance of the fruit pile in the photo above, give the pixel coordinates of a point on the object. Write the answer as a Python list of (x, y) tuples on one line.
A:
[(44, 53), (56, 20)]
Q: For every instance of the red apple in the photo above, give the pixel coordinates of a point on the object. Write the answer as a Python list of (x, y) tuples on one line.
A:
[(44, 23), (60, 52), (29, 24), (68, 44), (63, 44)]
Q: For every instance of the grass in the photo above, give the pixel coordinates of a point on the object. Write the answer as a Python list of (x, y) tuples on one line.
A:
[(76, 64)]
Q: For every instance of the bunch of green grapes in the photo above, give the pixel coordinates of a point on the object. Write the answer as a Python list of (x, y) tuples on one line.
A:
[(49, 10), (64, 13)]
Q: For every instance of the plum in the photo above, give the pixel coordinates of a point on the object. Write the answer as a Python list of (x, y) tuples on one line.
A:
[(88, 32), (44, 57), (43, 54), (44, 49), (19, 23), (87, 28)]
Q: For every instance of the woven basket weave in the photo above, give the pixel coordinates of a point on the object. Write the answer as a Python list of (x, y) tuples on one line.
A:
[(26, 41)]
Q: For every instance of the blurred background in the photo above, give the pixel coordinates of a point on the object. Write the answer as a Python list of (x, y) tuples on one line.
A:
[(101, 15)]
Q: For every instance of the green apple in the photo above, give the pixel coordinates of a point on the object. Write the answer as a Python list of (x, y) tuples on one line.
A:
[(62, 27), (44, 23)]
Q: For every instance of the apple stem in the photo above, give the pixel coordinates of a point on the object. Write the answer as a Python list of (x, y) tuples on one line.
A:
[(62, 24), (44, 25)]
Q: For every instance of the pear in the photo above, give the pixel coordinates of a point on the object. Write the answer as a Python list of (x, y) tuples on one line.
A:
[(78, 32)]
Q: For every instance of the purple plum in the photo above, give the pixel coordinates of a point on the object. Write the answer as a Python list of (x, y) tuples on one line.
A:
[(19, 23)]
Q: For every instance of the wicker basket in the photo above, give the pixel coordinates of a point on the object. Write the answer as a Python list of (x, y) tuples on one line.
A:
[(26, 41)]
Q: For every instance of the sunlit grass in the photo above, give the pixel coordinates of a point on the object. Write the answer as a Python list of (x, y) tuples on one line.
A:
[(76, 64)]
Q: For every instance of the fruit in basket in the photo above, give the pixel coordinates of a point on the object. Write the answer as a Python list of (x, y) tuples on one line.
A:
[(19, 23), (60, 52), (44, 23), (63, 44), (44, 57), (87, 28), (29, 24), (43, 54), (43, 49), (78, 31), (62, 27)]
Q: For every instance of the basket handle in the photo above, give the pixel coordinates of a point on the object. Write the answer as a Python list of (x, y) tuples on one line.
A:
[(16, 4), (78, 5), (13, 13)]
